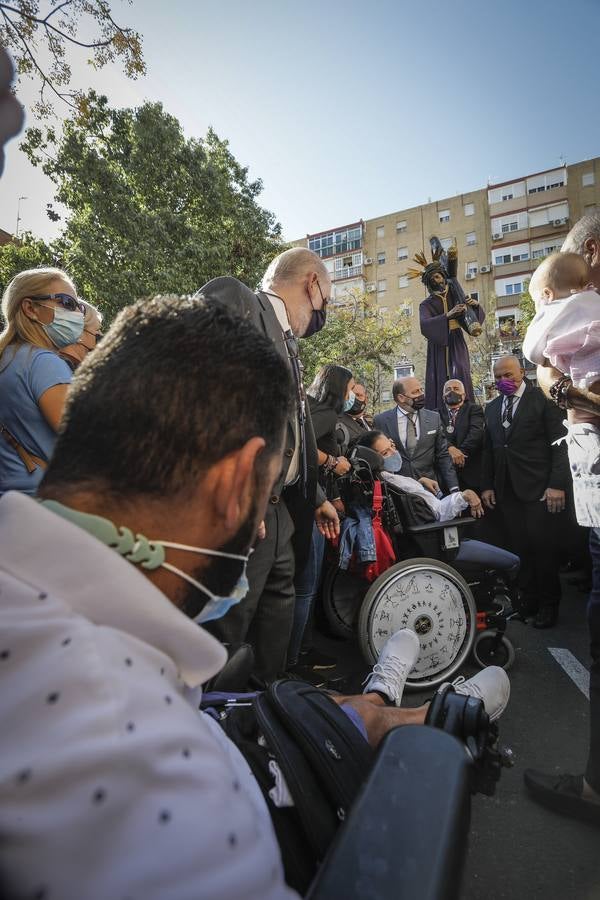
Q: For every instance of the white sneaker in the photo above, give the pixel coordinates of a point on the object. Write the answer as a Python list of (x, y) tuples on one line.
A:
[(490, 685), (397, 657)]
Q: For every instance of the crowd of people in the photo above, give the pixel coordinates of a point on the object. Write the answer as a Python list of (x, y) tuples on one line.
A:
[(170, 493)]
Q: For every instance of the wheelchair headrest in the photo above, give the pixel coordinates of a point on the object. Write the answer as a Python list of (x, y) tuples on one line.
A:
[(373, 459)]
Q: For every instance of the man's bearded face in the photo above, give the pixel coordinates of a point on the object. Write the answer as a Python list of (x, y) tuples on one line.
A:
[(437, 281)]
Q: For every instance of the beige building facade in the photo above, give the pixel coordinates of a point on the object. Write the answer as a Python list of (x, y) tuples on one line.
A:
[(502, 231)]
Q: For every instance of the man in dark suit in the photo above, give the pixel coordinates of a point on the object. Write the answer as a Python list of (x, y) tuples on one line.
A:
[(419, 437), (524, 475), (292, 304), (464, 425)]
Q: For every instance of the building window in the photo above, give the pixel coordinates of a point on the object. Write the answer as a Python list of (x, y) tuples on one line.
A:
[(587, 179), (404, 371), (509, 226), (472, 268), (501, 258), (475, 295), (471, 239), (400, 226), (444, 215), (403, 281), (381, 285), (381, 259), (514, 288), (469, 209), (447, 242), (380, 231), (406, 310), (402, 252), (507, 196), (342, 241)]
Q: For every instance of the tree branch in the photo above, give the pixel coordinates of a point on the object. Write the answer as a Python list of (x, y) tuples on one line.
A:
[(62, 34)]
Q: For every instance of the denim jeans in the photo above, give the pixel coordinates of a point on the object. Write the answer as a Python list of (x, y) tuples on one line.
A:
[(592, 773), (306, 584)]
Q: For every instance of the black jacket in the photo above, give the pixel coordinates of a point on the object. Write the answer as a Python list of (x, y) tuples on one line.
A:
[(526, 451), (431, 458), (300, 500), (468, 435)]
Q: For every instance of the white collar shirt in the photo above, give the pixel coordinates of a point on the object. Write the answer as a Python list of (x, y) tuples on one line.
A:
[(516, 397), (402, 417), (113, 784)]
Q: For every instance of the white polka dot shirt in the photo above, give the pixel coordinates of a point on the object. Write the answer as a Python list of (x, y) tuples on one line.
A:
[(112, 784)]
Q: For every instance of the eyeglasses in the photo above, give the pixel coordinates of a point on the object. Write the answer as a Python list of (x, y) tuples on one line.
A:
[(64, 300), (323, 298)]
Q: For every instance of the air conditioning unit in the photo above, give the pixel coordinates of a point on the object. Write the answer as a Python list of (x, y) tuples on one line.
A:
[(484, 269), (368, 261), (498, 236), (470, 276), (370, 288), (557, 222)]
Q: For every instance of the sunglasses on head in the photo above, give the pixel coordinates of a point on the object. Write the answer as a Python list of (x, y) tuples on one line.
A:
[(64, 300)]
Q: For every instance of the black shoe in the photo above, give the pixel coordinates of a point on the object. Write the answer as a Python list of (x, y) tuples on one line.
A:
[(547, 617), (314, 659), (562, 793)]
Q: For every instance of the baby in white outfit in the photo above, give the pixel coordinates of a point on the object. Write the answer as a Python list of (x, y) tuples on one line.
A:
[(566, 332)]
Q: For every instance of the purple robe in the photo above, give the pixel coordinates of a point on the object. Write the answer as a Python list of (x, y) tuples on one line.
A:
[(447, 353)]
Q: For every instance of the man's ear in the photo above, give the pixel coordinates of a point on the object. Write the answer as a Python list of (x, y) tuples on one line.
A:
[(591, 251), (233, 480)]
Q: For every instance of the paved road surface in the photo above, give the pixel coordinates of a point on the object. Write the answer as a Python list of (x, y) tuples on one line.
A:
[(517, 849)]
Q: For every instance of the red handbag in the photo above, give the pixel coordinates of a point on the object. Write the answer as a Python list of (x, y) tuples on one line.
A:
[(384, 548)]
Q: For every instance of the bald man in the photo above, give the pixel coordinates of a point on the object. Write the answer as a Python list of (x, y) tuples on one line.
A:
[(524, 476), (463, 422)]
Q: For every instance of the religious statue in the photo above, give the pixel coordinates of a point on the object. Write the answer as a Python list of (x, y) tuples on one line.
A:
[(444, 314)]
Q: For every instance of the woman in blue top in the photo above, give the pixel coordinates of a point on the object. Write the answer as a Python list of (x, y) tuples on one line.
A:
[(42, 315)]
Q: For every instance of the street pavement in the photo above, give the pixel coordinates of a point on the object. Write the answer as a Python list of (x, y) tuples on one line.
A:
[(518, 849)]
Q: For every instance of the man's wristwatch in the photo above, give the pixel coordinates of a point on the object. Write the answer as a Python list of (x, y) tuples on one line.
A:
[(559, 391)]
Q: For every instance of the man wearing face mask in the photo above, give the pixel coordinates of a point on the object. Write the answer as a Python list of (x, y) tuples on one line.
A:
[(419, 437), (292, 304), (524, 475), (464, 425), (352, 423)]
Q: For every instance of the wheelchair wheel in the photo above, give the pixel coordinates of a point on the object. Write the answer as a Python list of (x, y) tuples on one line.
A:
[(486, 652), (430, 597), (342, 595)]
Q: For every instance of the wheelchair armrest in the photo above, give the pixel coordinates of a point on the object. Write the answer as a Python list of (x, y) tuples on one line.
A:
[(406, 835), (439, 526)]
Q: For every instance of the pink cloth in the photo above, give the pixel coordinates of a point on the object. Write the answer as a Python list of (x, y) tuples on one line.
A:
[(567, 333)]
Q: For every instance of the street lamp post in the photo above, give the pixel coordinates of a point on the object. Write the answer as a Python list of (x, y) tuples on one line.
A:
[(19, 214)]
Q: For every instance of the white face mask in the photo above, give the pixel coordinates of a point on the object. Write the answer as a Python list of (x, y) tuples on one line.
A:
[(216, 606)]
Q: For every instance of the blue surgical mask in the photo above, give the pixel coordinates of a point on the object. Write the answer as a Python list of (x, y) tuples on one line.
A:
[(349, 403), (66, 328), (216, 606), (392, 463)]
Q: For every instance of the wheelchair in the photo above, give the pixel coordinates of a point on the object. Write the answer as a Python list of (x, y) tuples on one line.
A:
[(457, 609)]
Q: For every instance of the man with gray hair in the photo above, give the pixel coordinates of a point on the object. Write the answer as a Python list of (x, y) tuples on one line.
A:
[(579, 795), (292, 304)]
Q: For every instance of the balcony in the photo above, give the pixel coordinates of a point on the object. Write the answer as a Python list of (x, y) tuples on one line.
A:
[(508, 301), (514, 268), (539, 198), (521, 235), (508, 206), (542, 230), (348, 272)]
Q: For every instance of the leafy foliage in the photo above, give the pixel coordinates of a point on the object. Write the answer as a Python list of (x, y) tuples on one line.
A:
[(527, 309), (150, 211), (358, 335), (26, 253), (58, 24)]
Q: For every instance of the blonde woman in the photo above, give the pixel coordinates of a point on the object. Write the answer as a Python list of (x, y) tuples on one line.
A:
[(42, 316)]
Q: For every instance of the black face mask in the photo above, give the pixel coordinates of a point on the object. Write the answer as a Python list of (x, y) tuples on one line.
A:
[(452, 398), (317, 321), (418, 402), (357, 407)]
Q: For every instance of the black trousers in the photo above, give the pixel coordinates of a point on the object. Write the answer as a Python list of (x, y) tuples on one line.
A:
[(531, 532), (264, 617), (592, 773)]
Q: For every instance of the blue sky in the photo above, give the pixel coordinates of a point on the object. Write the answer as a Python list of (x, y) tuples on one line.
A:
[(351, 110)]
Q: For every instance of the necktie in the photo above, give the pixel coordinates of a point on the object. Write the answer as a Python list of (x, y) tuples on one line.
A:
[(411, 434), (294, 359), (507, 415)]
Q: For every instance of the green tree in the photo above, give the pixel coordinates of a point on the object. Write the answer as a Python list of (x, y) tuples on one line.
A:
[(527, 310), (482, 349), (26, 253), (149, 211), (363, 338), (37, 31)]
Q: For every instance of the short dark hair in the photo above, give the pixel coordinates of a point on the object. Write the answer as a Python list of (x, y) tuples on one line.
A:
[(368, 438), (175, 385), (398, 388), (329, 386)]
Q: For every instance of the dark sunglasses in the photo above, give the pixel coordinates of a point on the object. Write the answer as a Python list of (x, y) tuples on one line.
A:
[(64, 300)]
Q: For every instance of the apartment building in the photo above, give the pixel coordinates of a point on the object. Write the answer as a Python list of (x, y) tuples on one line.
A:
[(502, 231)]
